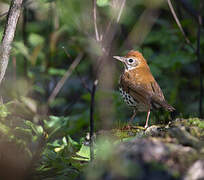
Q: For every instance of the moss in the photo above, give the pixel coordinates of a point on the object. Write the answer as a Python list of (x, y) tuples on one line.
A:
[(196, 122), (128, 133), (194, 126)]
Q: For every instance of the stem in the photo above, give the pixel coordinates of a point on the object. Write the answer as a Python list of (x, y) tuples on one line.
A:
[(179, 24), (61, 82), (200, 64), (24, 33), (92, 119), (95, 21)]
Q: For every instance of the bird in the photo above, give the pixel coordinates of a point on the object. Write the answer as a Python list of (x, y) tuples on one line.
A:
[(138, 87)]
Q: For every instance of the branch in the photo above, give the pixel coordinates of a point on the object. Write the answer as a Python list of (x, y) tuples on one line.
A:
[(95, 21), (121, 10), (3, 14), (189, 8), (64, 78), (179, 24), (106, 40), (199, 61), (9, 31), (92, 119), (143, 26), (25, 37), (24, 4), (84, 84)]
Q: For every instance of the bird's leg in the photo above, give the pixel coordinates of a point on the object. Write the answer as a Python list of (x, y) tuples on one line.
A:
[(148, 113), (132, 117), (128, 126)]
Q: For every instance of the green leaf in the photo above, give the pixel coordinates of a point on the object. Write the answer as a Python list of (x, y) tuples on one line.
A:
[(83, 153), (35, 39), (74, 144), (56, 125), (20, 48), (4, 129), (55, 71), (37, 129), (4, 111), (102, 3)]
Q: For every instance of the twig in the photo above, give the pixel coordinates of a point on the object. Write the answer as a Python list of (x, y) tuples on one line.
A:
[(78, 74), (92, 119), (143, 26), (189, 9), (106, 39), (95, 21), (3, 14), (9, 31), (179, 24), (84, 84), (24, 4), (24, 34), (121, 10), (65, 77), (14, 67), (199, 62), (107, 31), (35, 158), (108, 36)]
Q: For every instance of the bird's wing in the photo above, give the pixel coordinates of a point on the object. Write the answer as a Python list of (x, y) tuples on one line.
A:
[(149, 93), (138, 91), (156, 91), (158, 99)]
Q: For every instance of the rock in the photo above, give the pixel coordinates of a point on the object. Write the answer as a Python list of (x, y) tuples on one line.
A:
[(184, 137), (196, 171), (167, 152), (154, 130), (143, 158)]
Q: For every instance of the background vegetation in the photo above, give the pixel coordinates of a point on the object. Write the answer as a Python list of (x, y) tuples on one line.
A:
[(54, 35)]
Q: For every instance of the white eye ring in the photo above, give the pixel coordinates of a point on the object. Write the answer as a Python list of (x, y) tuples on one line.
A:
[(130, 60)]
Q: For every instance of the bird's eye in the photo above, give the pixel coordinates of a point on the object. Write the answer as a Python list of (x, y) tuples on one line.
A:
[(130, 60)]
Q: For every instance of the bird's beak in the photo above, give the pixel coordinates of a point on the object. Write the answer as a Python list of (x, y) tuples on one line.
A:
[(122, 59)]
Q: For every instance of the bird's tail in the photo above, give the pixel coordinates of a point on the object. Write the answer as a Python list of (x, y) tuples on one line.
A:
[(171, 109), (167, 106)]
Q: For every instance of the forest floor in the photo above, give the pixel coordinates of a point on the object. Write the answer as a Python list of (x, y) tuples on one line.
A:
[(174, 151)]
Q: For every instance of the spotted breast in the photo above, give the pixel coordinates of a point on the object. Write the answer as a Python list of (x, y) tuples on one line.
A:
[(127, 98), (130, 101)]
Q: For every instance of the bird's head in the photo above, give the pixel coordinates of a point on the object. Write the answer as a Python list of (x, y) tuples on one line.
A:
[(132, 60)]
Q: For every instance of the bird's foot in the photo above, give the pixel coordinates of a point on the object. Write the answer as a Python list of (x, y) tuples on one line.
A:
[(129, 127), (126, 127), (146, 126)]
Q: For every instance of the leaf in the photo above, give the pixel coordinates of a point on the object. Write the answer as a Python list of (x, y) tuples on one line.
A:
[(35, 39), (102, 3), (20, 48), (55, 71), (30, 103), (4, 111), (37, 129), (74, 144), (4, 129), (56, 126), (83, 154)]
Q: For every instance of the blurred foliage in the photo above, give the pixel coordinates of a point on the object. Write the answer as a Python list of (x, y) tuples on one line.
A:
[(60, 153), (39, 61)]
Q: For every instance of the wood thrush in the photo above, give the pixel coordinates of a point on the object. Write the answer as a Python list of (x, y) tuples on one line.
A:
[(138, 86)]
